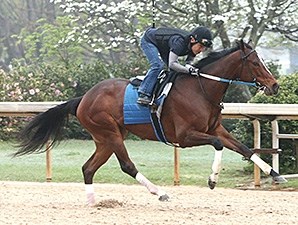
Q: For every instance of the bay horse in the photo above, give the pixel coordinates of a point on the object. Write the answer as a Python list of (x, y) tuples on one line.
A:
[(191, 116)]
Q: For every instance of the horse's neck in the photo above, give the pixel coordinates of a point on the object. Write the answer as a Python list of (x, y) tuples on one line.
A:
[(228, 67)]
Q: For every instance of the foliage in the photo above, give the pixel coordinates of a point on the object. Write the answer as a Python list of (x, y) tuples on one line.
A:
[(106, 29), (51, 42), (288, 94), (103, 27), (54, 82), (16, 15), (106, 25), (133, 67), (43, 83)]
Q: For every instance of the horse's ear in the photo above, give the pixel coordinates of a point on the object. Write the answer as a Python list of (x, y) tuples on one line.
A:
[(241, 44), (250, 43)]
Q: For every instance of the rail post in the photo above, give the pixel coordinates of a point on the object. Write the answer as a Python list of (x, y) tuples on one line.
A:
[(48, 162), (176, 166), (275, 144), (257, 145)]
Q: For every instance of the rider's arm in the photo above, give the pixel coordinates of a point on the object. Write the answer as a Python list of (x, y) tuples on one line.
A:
[(175, 65)]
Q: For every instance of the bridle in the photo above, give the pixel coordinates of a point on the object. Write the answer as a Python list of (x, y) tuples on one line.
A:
[(244, 60), (252, 83)]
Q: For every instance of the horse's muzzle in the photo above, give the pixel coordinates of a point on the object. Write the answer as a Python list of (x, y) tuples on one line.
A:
[(272, 90)]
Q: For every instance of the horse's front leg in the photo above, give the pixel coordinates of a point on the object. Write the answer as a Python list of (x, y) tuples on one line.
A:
[(216, 166), (195, 138), (230, 142)]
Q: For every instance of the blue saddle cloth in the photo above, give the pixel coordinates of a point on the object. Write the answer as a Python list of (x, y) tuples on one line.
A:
[(133, 112)]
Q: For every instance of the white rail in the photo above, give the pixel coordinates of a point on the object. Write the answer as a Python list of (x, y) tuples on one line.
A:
[(254, 111)]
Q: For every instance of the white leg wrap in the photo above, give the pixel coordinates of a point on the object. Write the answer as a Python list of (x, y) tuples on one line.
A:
[(151, 187), (89, 188), (216, 166), (260, 163), (90, 194)]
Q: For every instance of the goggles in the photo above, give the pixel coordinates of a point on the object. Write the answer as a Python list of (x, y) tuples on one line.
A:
[(205, 42)]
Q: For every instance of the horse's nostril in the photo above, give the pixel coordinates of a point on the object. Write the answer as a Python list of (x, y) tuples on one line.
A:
[(275, 88)]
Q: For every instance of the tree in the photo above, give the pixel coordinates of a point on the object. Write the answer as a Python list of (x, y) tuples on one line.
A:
[(15, 15), (108, 29), (118, 25), (47, 42)]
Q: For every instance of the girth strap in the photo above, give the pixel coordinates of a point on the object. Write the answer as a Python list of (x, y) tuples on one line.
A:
[(156, 109)]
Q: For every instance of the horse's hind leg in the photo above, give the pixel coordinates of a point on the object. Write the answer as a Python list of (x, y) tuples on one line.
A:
[(98, 158), (128, 167), (102, 154)]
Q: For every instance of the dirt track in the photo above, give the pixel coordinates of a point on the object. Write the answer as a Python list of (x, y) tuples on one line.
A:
[(52, 203)]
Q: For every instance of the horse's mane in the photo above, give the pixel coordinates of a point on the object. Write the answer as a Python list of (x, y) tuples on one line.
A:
[(214, 56)]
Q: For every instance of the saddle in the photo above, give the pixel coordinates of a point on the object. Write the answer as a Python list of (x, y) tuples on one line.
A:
[(162, 87)]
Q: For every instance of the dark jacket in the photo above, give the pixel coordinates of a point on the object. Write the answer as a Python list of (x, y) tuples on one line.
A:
[(170, 39)]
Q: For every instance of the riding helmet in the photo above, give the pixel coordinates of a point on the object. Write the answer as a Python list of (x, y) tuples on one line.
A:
[(202, 35)]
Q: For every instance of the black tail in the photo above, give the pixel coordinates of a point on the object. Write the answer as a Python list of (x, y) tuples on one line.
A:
[(44, 127)]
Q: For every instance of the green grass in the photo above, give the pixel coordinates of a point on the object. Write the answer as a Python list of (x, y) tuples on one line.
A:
[(154, 160)]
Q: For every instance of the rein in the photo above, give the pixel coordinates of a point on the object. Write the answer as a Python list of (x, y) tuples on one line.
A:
[(254, 83), (239, 82), (219, 79)]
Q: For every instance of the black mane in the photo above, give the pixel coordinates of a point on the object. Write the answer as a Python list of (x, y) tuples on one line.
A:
[(214, 56)]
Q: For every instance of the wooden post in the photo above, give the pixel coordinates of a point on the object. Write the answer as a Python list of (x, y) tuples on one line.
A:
[(48, 163), (275, 144), (257, 145), (296, 152), (176, 166)]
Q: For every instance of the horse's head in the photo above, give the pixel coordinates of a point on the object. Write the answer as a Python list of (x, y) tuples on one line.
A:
[(254, 68)]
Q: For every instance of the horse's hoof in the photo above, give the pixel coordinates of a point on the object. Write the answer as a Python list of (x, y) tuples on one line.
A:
[(211, 184), (279, 180), (164, 198)]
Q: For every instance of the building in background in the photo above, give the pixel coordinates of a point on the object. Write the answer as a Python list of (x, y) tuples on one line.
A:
[(287, 58)]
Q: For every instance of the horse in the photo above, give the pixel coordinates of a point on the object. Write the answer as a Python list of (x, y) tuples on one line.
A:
[(191, 116)]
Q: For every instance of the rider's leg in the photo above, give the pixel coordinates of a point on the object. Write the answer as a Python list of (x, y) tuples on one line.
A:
[(156, 66)]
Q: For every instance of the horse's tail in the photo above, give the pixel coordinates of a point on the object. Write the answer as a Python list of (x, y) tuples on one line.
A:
[(45, 127)]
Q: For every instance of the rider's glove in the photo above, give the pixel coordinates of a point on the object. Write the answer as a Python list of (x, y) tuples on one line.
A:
[(192, 70)]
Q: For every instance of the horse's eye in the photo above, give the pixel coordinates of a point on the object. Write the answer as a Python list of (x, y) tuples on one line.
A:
[(256, 64)]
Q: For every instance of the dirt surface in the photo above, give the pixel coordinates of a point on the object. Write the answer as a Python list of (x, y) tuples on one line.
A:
[(64, 203)]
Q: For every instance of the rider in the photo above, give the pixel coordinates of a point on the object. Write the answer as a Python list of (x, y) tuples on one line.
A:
[(163, 46)]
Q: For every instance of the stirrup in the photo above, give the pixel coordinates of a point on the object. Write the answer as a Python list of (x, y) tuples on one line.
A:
[(144, 100)]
